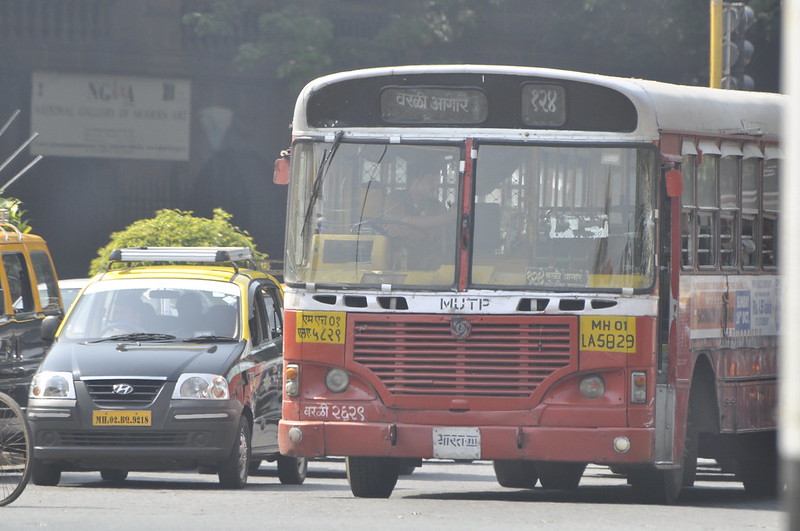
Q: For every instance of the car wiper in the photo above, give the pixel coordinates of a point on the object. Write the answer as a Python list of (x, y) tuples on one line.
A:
[(210, 339), (137, 336)]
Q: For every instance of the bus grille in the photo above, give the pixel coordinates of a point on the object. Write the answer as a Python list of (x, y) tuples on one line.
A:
[(504, 356)]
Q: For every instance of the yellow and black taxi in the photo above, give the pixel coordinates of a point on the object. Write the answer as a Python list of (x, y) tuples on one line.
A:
[(28, 295), (165, 367)]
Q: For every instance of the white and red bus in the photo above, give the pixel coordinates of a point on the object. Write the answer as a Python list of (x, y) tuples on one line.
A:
[(536, 267)]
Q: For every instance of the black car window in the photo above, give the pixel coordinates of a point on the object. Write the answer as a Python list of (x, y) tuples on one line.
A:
[(271, 303), (19, 283), (45, 280), (258, 329)]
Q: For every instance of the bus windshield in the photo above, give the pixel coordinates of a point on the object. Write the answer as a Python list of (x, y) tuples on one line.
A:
[(564, 217), (549, 217)]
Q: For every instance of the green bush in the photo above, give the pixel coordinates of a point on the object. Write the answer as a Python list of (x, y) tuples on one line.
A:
[(176, 228), (15, 213)]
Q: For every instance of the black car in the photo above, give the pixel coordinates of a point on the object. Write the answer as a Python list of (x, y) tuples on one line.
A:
[(165, 367)]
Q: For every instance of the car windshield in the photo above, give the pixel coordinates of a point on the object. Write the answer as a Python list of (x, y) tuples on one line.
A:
[(155, 310)]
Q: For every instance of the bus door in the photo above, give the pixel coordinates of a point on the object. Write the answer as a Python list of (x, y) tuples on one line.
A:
[(669, 268)]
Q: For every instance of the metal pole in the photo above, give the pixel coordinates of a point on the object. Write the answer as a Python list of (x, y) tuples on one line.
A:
[(789, 414), (715, 45)]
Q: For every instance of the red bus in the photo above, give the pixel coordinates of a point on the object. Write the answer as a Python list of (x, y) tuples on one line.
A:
[(536, 267)]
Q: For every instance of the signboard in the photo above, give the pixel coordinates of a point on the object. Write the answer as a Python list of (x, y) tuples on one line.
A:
[(433, 105), (82, 115)]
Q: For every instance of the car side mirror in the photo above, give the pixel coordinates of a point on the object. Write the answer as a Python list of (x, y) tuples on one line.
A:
[(50, 326)]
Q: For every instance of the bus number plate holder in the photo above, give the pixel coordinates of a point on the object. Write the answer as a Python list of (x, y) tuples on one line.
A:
[(456, 443)]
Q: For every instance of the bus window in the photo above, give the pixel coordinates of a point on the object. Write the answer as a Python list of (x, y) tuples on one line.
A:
[(769, 238), (707, 198), (729, 205), (688, 171), (750, 202)]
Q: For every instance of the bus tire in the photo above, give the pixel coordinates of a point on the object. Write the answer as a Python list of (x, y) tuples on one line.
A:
[(660, 487), (560, 476), (516, 474), (292, 470), (372, 477)]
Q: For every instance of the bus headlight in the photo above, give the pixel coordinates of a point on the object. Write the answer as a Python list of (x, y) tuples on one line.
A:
[(592, 386), (337, 380)]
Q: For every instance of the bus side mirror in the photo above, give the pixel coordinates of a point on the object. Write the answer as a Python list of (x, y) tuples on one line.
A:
[(674, 183)]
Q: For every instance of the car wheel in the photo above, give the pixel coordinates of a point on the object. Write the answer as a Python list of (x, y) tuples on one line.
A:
[(292, 470), (44, 475), (372, 477), (232, 471), (113, 474)]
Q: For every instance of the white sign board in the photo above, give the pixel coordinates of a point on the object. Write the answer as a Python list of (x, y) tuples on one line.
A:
[(81, 115)]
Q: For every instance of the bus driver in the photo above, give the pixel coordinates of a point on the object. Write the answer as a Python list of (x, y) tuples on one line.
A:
[(417, 222)]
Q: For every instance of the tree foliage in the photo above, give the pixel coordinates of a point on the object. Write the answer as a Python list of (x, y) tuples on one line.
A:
[(297, 39), (666, 40), (176, 228)]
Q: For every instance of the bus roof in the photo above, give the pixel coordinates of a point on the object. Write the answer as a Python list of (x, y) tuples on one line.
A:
[(661, 107)]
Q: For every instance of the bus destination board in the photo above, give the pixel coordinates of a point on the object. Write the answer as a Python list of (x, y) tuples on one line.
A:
[(433, 105)]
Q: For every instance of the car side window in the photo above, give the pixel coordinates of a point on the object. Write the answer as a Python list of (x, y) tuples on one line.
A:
[(19, 282), (45, 280), (258, 329), (273, 311)]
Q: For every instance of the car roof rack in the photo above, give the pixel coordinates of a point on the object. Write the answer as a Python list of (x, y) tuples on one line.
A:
[(182, 254)]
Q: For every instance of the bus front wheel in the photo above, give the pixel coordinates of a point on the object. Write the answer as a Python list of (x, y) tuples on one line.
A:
[(516, 474), (372, 477)]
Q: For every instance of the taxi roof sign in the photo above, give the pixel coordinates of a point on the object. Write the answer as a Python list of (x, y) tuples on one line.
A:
[(181, 254)]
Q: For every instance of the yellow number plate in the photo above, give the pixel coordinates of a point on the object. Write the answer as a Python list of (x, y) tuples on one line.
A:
[(608, 334), (320, 327), (121, 418)]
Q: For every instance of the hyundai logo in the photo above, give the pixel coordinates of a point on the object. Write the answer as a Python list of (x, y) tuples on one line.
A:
[(122, 389)]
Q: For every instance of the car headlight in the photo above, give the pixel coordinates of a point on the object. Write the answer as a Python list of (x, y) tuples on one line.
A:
[(52, 385), (201, 387)]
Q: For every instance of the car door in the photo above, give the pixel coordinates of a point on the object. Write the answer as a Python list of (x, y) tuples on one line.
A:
[(266, 357)]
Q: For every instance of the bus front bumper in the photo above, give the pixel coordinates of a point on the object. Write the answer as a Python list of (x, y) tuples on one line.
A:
[(585, 445)]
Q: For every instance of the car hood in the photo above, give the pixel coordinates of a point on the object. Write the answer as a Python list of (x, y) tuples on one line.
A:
[(150, 359)]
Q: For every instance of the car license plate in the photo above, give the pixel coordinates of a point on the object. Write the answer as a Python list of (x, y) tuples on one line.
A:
[(457, 443), (121, 418)]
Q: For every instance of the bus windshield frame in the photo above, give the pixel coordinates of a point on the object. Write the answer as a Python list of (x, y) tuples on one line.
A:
[(546, 216)]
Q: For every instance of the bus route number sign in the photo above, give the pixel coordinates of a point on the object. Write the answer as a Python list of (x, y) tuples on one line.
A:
[(320, 327), (608, 334), (543, 105)]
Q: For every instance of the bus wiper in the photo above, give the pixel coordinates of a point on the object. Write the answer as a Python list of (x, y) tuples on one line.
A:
[(210, 339), (136, 336), (322, 171)]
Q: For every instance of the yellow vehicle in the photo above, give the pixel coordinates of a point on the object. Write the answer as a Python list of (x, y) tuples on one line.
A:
[(29, 294), (160, 367)]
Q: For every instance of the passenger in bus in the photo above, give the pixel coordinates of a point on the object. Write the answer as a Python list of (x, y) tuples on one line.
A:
[(417, 220)]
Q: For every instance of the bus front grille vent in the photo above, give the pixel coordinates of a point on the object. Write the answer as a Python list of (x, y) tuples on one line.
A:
[(502, 356)]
